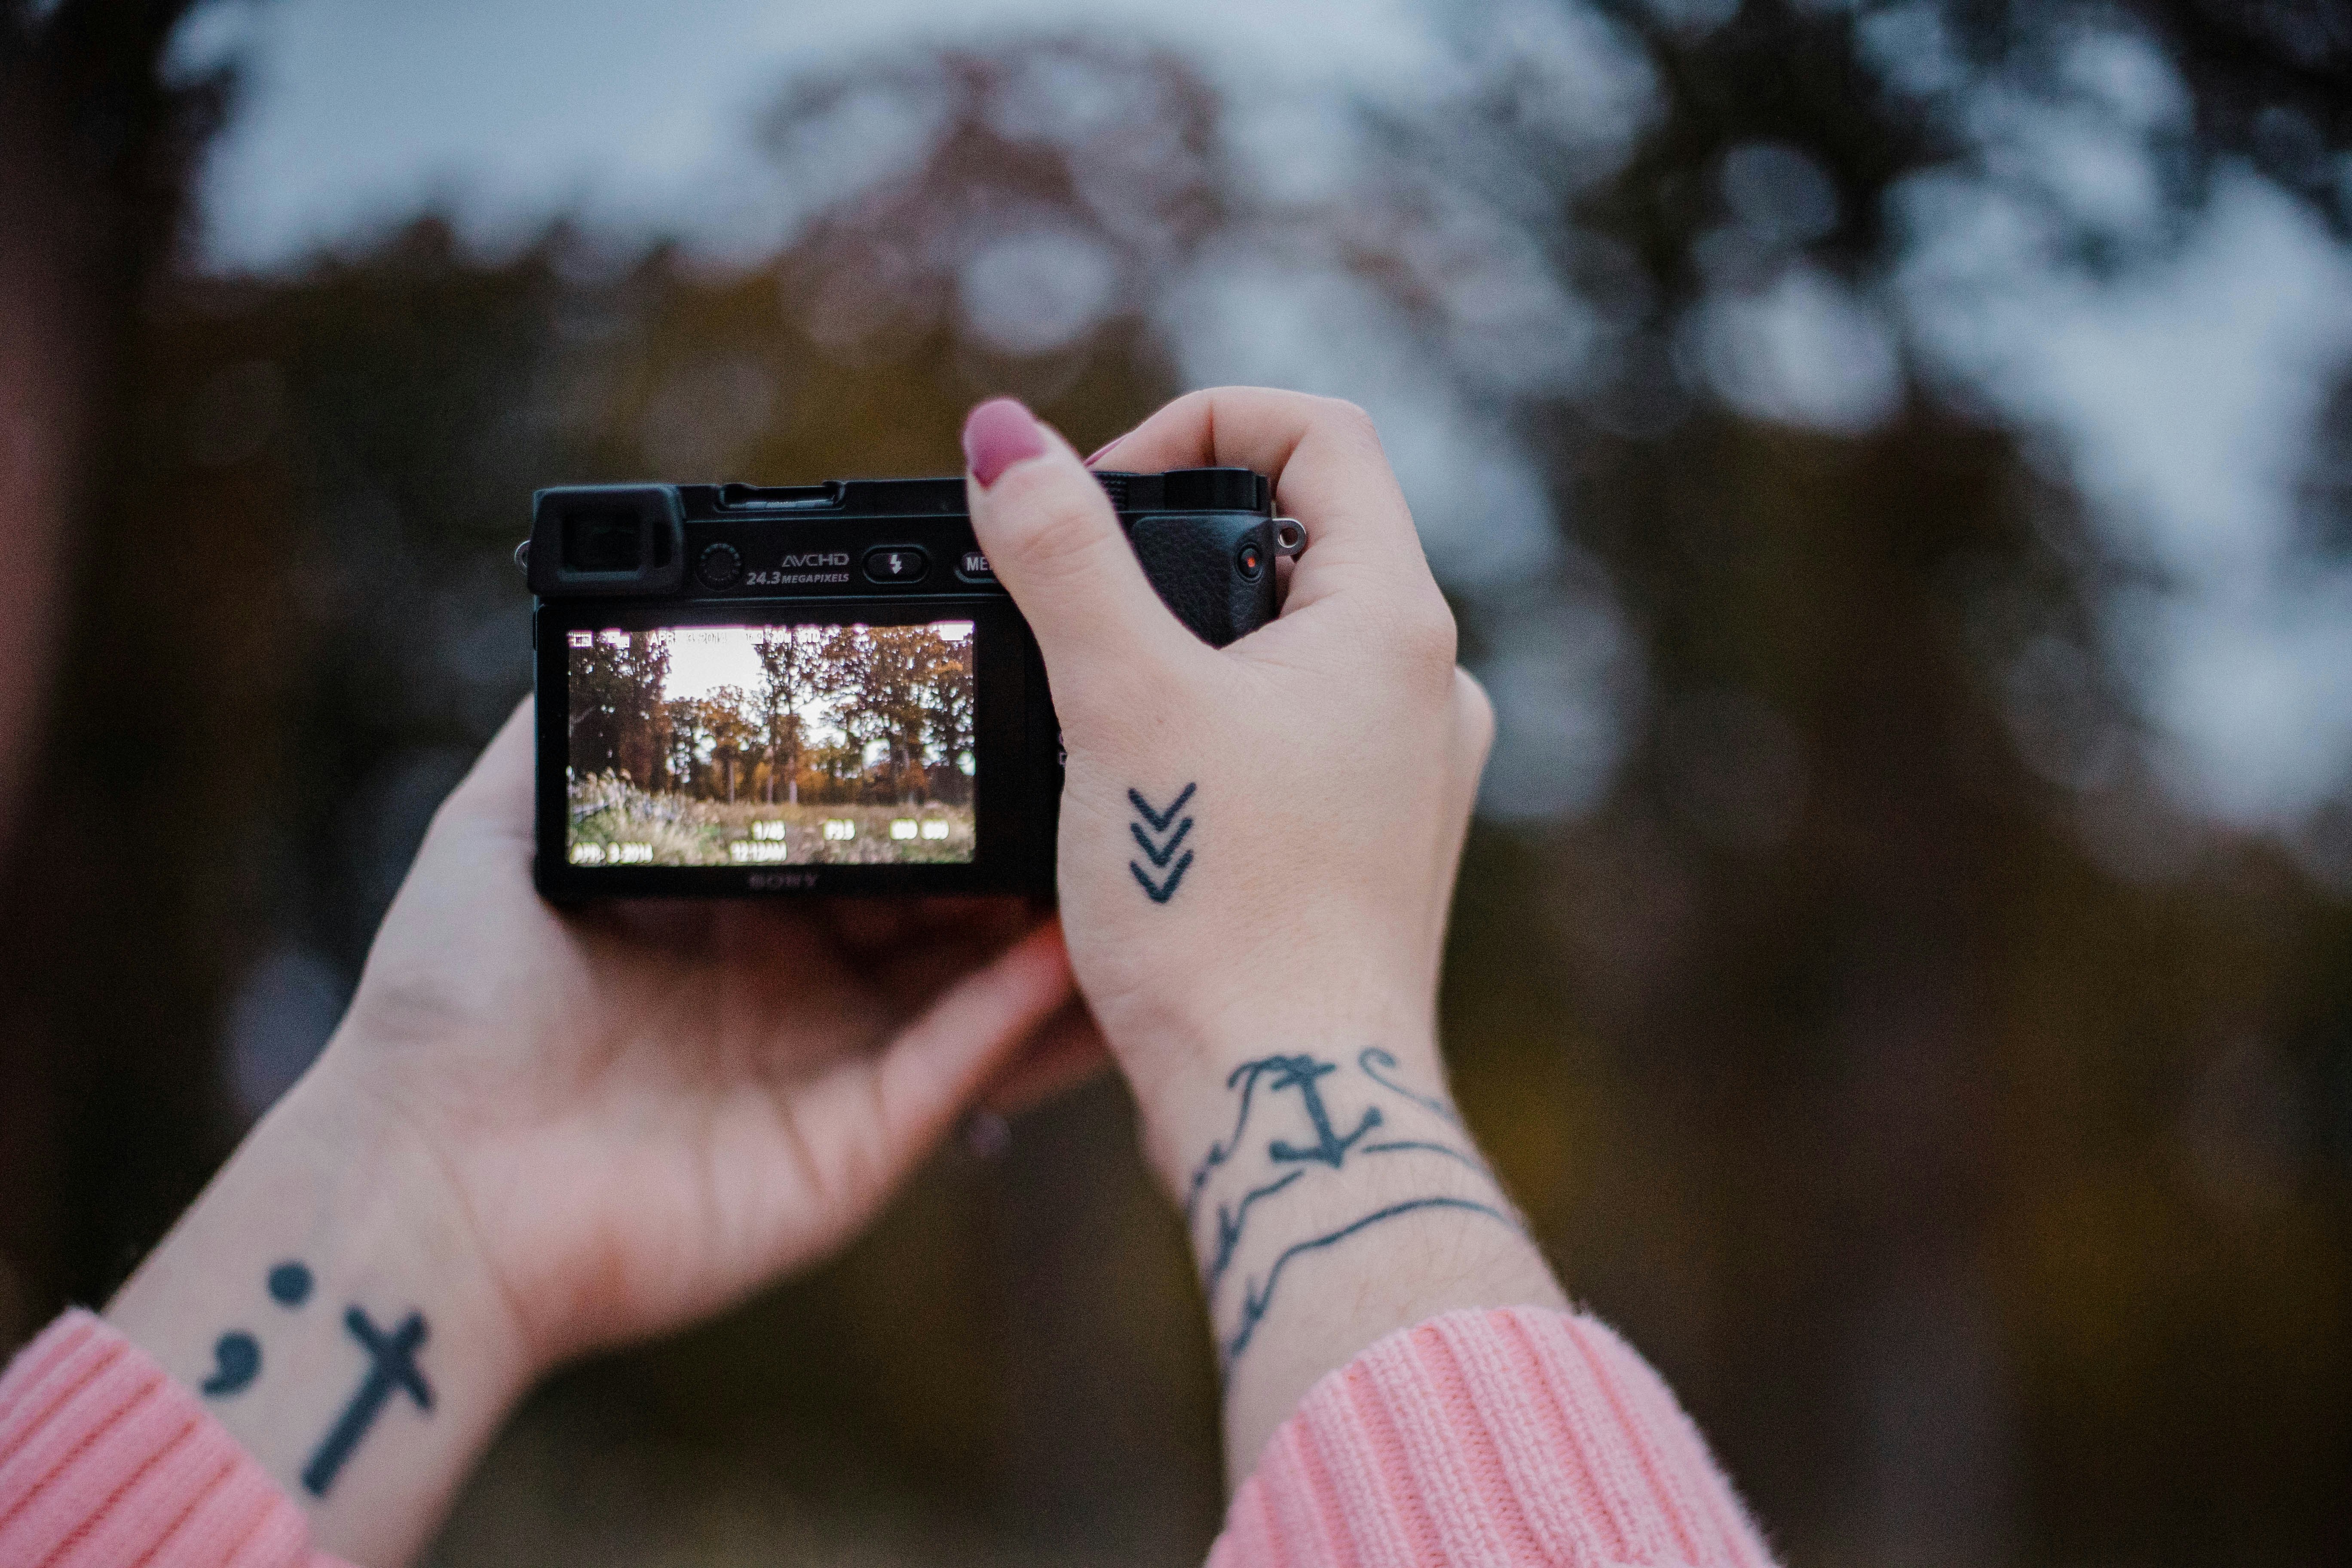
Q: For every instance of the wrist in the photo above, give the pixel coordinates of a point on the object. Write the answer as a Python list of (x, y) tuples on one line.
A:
[(328, 1301), (1183, 1071), (1330, 1194)]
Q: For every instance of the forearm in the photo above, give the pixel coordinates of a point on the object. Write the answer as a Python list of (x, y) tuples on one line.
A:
[(326, 1298), (1331, 1196)]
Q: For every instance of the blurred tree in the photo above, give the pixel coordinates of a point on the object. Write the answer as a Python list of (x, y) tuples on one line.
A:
[(1969, 1145), (106, 1018), (619, 721), (947, 715), (881, 691), (791, 681)]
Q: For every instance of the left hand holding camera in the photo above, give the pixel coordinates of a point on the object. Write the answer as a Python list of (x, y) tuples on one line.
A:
[(536, 1133)]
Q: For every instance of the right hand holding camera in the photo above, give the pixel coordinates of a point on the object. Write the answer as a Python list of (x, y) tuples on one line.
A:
[(1257, 849)]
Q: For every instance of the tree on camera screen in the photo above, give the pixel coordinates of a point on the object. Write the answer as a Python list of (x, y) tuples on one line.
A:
[(771, 745)]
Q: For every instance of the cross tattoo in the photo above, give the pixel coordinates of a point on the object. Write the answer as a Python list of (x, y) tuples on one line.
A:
[(392, 1367)]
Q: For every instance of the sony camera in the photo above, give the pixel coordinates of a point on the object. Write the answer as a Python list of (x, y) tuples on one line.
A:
[(823, 688)]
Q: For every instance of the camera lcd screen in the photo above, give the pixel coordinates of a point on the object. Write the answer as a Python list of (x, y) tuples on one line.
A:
[(771, 745)]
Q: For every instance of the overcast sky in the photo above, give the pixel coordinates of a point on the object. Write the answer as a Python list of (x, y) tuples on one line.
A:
[(635, 114), (2184, 401)]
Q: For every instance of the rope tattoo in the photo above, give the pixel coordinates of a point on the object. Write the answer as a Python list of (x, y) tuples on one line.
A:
[(1287, 1144)]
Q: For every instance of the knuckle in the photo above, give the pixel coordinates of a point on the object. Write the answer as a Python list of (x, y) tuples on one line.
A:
[(1050, 524), (1427, 638), (1477, 712), (1349, 418)]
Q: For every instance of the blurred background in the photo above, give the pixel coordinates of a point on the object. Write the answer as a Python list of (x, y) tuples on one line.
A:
[(1893, 462)]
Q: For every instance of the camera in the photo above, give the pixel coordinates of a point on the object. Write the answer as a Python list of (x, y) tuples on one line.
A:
[(748, 689)]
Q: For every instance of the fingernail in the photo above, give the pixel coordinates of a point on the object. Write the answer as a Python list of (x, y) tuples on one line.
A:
[(1107, 447), (997, 435)]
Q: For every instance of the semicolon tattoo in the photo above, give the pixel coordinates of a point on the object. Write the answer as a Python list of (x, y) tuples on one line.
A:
[(1253, 1170), (1160, 845), (236, 1362), (237, 1354)]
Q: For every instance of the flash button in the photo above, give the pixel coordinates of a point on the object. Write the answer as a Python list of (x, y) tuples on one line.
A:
[(896, 563)]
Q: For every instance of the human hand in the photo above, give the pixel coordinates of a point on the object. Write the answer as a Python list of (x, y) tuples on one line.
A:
[(1257, 851), (1326, 763), (536, 1132), (650, 1110)]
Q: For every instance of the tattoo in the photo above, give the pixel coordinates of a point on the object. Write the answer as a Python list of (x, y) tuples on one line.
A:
[(1300, 1073), (1256, 1298), (1159, 852), (1229, 1228), (290, 1284), (1377, 1064), (393, 1369), (1246, 1077), (236, 1362), (1404, 1145), (1248, 1166), (237, 1354)]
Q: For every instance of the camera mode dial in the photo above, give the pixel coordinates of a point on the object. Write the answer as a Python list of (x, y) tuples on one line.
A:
[(720, 565)]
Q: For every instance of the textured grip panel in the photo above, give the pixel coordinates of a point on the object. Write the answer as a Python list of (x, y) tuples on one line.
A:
[(1193, 558)]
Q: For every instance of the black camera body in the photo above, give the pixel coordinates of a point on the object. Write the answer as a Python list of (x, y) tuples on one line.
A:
[(823, 688)]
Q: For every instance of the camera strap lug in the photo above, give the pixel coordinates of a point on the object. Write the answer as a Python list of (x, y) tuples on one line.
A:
[(1289, 536)]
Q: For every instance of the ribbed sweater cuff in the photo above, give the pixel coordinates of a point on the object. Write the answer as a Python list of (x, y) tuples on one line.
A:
[(1517, 1436), (106, 1462)]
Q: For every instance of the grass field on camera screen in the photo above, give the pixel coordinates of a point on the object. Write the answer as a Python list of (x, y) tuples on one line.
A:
[(771, 745)]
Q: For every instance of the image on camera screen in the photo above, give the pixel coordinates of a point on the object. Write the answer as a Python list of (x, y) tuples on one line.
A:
[(771, 745)]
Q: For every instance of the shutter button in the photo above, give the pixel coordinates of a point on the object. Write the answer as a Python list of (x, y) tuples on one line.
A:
[(896, 563)]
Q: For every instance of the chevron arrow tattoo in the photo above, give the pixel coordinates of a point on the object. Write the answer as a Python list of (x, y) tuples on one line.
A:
[(1161, 856), (1160, 819), (1163, 891), (1161, 853)]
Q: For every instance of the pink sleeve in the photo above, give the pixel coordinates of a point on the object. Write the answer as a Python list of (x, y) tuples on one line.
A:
[(1510, 1437), (106, 1462), (1518, 1435)]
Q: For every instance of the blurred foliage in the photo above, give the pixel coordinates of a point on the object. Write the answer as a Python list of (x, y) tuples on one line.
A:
[(1980, 1181)]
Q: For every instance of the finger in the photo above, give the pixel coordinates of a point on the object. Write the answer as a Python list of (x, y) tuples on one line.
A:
[(866, 930), (865, 927), (1474, 730), (1053, 542), (498, 791), (1329, 470), (909, 1096), (1066, 1051)]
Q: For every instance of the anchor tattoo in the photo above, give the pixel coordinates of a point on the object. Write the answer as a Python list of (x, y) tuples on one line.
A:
[(1329, 1148)]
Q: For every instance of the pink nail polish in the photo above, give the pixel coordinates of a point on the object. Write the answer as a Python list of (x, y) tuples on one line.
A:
[(997, 435)]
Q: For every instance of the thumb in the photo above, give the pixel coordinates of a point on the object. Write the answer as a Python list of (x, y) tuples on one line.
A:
[(1053, 542)]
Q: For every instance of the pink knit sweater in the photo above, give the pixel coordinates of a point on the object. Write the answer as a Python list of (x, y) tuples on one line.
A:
[(1510, 1437)]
